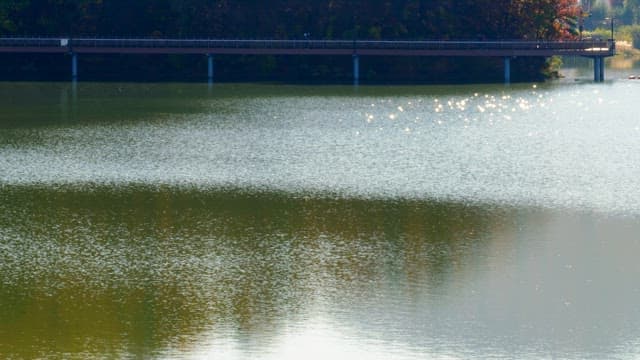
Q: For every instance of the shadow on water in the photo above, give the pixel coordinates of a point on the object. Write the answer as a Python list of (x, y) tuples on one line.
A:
[(140, 271), (79, 103)]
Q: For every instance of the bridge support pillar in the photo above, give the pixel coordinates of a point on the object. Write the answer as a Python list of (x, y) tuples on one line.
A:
[(74, 66), (210, 67), (601, 68), (598, 69), (356, 69), (507, 70)]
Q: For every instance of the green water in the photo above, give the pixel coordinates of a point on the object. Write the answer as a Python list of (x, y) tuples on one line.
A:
[(263, 221)]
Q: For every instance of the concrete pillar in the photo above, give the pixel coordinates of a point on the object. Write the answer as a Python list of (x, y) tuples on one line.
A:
[(210, 67), (74, 66), (507, 70), (356, 69), (601, 68)]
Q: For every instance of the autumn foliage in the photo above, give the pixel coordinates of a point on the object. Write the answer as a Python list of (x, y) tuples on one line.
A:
[(295, 19), (325, 19)]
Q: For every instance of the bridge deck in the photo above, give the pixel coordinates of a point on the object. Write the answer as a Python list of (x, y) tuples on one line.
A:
[(592, 48)]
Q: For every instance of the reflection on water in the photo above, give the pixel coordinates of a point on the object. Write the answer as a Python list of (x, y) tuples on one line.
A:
[(169, 272), (174, 221), (140, 271)]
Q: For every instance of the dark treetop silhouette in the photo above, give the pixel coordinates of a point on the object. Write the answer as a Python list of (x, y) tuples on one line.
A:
[(288, 19)]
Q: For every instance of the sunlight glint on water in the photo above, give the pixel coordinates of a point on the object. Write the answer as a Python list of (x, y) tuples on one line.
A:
[(500, 148), (554, 147)]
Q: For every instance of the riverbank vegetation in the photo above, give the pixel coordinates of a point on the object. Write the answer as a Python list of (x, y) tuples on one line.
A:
[(287, 19), (618, 19)]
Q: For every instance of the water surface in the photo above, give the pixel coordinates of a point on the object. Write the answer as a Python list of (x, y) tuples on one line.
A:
[(263, 221)]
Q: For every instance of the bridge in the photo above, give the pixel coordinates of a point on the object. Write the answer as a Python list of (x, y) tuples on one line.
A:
[(597, 50)]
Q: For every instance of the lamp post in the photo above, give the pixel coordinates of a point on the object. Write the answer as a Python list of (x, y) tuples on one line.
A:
[(611, 24), (612, 28)]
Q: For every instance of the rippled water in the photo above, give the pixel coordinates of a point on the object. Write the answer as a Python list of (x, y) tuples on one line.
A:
[(259, 221), (572, 146)]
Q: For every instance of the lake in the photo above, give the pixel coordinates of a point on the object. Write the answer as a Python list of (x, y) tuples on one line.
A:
[(234, 221)]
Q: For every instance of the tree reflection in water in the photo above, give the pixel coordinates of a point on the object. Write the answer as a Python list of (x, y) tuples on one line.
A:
[(140, 271)]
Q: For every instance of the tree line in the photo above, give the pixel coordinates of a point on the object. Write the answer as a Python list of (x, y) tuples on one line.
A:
[(291, 19)]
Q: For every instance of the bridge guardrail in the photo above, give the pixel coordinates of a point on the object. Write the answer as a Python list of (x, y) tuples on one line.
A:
[(583, 45), (37, 42)]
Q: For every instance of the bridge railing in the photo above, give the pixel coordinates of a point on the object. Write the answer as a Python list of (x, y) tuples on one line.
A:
[(30, 42), (584, 45)]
